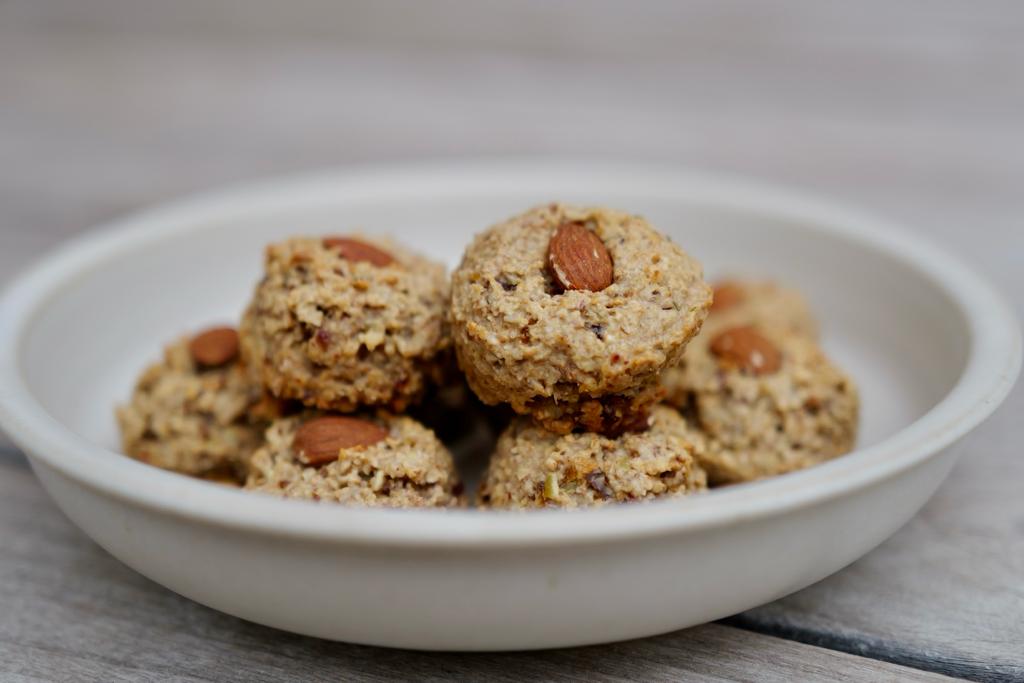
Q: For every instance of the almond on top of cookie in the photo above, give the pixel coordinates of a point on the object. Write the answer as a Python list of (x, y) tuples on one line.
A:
[(197, 411), (569, 314)]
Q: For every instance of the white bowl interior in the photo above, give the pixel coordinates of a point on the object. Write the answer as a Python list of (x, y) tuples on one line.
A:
[(890, 326), (914, 327)]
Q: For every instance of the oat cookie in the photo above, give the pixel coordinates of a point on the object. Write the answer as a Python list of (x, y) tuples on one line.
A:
[(570, 314), (197, 411), (383, 461), (768, 401), (747, 302), (739, 302), (339, 323), (532, 467)]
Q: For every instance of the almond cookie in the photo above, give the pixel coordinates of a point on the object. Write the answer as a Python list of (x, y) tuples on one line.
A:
[(747, 302), (570, 314), (338, 323), (383, 461), (197, 411), (737, 302), (767, 401), (532, 467)]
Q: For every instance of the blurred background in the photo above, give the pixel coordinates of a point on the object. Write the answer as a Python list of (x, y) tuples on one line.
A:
[(913, 110)]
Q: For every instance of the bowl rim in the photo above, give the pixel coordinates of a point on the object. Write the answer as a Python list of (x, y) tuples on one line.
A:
[(992, 365)]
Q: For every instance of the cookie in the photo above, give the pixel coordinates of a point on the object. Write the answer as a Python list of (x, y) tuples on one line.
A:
[(570, 315), (747, 302), (196, 412), (739, 302), (532, 467), (767, 400), (383, 461), (339, 323)]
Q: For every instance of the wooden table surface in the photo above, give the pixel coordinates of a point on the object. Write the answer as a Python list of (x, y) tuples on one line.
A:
[(914, 110)]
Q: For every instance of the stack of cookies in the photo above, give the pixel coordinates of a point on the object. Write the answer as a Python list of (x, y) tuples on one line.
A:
[(305, 399), (627, 375), (570, 316)]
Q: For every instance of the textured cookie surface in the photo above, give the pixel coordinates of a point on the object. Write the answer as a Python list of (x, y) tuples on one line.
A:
[(193, 419), (408, 467), (767, 400), (339, 323), (574, 356), (745, 302), (532, 467), (738, 302)]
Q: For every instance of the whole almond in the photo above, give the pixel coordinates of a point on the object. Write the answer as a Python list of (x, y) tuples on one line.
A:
[(726, 295), (321, 440), (578, 258), (354, 250), (214, 347), (745, 348)]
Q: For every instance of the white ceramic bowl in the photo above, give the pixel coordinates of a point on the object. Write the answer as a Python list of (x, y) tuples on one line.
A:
[(932, 346)]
